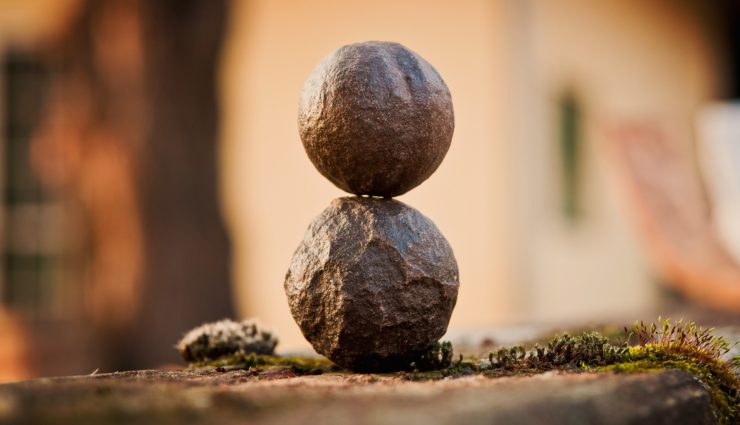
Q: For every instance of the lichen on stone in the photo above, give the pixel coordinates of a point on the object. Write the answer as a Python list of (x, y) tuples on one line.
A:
[(211, 341)]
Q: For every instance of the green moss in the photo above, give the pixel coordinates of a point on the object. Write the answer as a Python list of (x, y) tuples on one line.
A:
[(684, 345), (438, 357), (562, 352), (662, 346), (453, 369), (241, 360), (718, 376)]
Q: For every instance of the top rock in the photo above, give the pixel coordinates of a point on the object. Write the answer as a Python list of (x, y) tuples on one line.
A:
[(375, 118)]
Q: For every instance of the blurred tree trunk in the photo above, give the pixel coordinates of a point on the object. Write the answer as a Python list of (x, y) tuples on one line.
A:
[(135, 121), (187, 277)]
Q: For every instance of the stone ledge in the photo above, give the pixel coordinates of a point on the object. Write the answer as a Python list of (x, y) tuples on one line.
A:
[(277, 396)]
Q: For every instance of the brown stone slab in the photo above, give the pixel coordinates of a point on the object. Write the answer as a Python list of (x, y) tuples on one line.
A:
[(279, 397)]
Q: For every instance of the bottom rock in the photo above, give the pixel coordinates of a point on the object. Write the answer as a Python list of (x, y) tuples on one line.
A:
[(373, 284)]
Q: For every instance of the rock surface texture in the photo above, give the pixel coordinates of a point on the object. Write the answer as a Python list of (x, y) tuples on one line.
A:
[(279, 397), (375, 118), (373, 284)]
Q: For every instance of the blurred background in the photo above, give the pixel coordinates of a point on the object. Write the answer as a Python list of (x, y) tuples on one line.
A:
[(152, 178)]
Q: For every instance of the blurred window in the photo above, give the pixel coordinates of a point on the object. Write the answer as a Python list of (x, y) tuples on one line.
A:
[(569, 114), (31, 217)]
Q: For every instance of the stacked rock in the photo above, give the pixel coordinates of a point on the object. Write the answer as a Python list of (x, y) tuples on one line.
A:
[(373, 283)]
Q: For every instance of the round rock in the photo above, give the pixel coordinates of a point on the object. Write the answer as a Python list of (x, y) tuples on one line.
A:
[(373, 284), (375, 118)]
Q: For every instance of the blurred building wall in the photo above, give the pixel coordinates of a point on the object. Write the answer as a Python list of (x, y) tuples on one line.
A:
[(624, 61), (496, 195)]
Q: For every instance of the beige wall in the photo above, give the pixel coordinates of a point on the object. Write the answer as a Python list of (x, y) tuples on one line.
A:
[(495, 195), (627, 60)]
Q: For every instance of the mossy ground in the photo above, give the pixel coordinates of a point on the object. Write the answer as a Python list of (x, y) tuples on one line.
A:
[(663, 346), (643, 348)]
